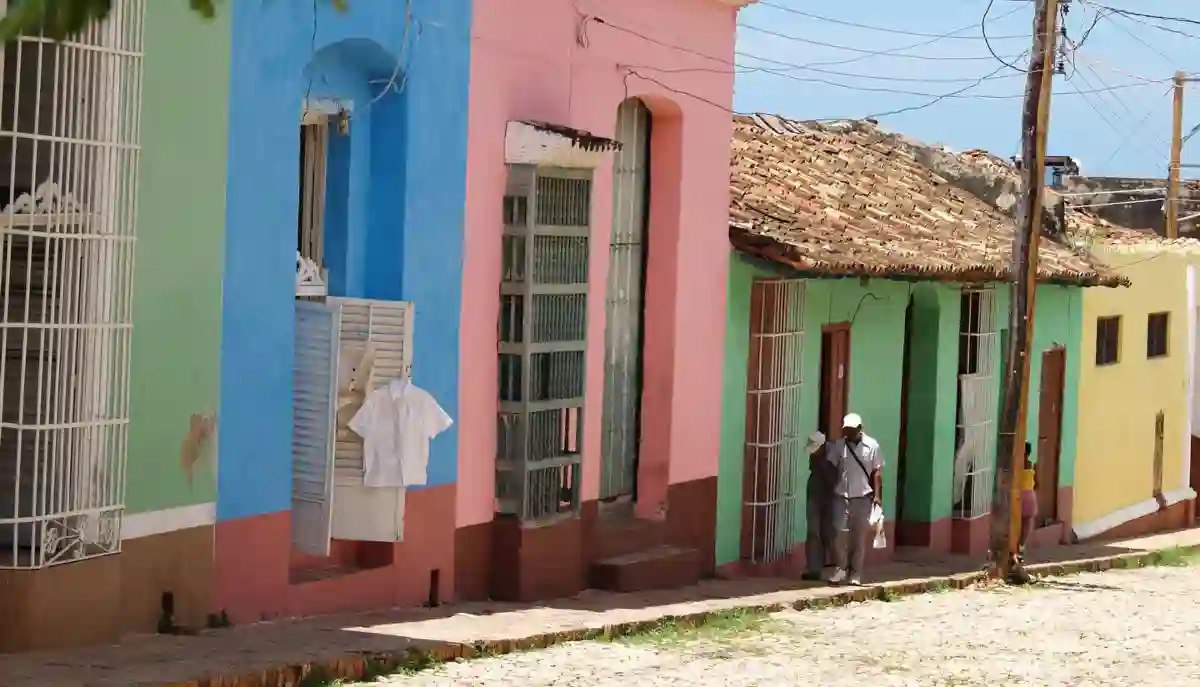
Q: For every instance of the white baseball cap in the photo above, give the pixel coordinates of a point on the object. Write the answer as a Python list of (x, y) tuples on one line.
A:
[(852, 420), (815, 441)]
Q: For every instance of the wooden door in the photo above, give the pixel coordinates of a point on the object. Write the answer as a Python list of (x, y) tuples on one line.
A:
[(1049, 440), (835, 377)]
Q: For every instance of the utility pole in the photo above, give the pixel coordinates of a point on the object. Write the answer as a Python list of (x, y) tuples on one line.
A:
[(1176, 153), (1010, 458)]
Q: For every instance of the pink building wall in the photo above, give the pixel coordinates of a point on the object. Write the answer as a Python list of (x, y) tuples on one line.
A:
[(573, 63)]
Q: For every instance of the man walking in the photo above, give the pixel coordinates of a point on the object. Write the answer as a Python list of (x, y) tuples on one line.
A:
[(859, 474), (818, 548)]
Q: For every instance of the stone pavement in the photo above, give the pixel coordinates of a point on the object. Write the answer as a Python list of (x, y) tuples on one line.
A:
[(280, 653)]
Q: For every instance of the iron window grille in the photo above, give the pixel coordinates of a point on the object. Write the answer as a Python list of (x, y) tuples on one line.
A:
[(70, 133), (542, 342), (975, 436)]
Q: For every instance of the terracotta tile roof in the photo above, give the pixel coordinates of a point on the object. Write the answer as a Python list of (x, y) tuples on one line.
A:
[(849, 199)]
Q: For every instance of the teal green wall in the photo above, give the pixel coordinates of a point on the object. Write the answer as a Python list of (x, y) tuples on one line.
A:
[(180, 253), (876, 312), (876, 309), (1058, 322)]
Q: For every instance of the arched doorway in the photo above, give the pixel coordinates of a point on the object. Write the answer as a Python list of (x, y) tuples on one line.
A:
[(625, 304)]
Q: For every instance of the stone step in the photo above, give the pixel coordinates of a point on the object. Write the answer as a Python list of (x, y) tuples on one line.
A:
[(659, 567)]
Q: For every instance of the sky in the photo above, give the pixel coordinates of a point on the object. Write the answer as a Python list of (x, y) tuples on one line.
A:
[(1120, 125)]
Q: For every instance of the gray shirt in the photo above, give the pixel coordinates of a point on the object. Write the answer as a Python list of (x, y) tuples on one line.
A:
[(852, 480)]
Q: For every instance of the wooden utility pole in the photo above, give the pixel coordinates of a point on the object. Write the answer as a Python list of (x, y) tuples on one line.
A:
[(1176, 154), (1010, 455)]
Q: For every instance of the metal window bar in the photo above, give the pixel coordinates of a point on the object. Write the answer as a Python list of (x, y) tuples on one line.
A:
[(774, 447), (975, 435), (542, 342), (69, 131), (625, 303)]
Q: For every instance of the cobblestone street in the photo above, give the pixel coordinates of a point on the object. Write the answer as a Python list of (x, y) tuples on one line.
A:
[(1115, 628)]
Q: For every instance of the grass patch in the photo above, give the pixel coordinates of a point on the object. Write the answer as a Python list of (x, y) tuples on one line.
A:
[(1175, 557), (722, 625)]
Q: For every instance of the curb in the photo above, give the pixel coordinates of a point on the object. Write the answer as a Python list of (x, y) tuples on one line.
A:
[(369, 665)]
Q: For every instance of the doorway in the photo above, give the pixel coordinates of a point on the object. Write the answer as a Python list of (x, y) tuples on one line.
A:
[(835, 378), (902, 451), (1049, 446)]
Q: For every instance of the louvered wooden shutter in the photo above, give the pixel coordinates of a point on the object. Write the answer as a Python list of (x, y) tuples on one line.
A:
[(382, 333), (314, 407)]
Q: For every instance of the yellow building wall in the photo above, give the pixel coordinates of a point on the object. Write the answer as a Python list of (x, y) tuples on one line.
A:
[(1119, 402)]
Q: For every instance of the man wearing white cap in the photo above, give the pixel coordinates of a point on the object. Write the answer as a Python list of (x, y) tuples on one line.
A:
[(859, 486)]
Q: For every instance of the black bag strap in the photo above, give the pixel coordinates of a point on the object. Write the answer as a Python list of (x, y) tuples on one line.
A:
[(860, 466)]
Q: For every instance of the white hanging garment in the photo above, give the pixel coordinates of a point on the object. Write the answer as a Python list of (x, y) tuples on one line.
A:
[(396, 423)]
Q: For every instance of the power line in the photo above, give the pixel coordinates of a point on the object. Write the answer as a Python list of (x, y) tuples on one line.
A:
[(884, 29), (890, 53), (983, 32), (1144, 15), (905, 48), (882, 77), (784, 73)]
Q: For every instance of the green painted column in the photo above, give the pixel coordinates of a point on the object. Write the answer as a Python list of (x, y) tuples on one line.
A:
[(733, 409), (175, 358)]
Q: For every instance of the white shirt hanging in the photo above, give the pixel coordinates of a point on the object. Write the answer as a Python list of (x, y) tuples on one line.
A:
[(396, 422)]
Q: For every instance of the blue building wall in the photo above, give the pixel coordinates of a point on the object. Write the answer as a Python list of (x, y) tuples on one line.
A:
[(398, 236)]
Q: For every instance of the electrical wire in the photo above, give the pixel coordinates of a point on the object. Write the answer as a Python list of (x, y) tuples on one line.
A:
[(958, 93), (1144, 15), (789, 66), (1085, 194), (948, 35), (884, 29), (1088, 206), (900, 55), (983, 31), (1170, 60)]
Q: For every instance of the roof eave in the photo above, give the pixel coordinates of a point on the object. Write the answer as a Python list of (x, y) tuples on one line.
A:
[(778, 252)]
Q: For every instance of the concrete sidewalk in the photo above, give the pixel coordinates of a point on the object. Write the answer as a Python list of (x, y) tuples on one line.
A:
[(283, 652)]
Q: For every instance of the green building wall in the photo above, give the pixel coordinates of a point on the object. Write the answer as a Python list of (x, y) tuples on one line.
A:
[(876, 310), (179, 258)]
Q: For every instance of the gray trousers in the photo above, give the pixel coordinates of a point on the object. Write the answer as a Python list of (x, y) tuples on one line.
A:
[(818, 548), (851, 519)]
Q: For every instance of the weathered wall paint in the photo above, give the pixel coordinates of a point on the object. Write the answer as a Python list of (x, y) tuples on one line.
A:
[(407, 163), (1119, 402), (575, 74), (876, 310), (180, 256), (876, 313)]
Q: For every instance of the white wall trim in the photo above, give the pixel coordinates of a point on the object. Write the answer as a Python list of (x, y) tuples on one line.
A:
[(1141, 509), (167, 520), (1190, 421), (525, 144)]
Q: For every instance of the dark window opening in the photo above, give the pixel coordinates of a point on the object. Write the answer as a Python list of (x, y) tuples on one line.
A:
[(1108, 340), (1158, 328)]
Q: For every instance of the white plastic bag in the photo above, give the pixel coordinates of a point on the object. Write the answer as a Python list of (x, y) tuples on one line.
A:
[(876, 520)]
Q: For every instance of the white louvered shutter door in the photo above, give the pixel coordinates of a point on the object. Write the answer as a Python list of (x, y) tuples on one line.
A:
[(314, 407), (383, 332)]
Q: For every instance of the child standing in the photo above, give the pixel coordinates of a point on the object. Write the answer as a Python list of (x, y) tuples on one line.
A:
[(1029, 502)]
